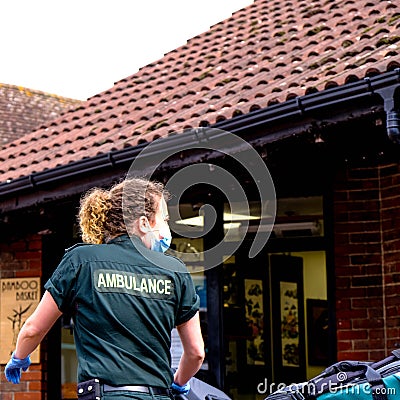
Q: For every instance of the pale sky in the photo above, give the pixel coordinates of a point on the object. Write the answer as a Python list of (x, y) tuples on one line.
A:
[(78, 48)]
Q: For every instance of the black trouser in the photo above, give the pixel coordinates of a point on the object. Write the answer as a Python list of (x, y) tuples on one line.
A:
[(125, 394), (94, 390)]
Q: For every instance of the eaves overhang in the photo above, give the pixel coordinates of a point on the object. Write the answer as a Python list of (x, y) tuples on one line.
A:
[(263, 126)]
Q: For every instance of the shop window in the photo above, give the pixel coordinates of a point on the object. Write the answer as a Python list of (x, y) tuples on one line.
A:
[(252, 309)]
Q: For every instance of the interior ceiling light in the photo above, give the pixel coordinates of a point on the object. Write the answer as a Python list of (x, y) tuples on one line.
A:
[(228, 217)]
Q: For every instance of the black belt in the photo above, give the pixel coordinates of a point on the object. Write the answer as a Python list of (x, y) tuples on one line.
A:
[(137, 388)]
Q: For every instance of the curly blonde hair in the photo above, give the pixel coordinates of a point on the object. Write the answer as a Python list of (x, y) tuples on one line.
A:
[(104, 214)]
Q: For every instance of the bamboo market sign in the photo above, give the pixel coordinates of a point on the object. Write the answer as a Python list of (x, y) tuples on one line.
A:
[(18, 299)]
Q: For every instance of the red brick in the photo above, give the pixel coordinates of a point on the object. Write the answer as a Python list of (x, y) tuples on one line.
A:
[(28, 273), (365, 237), (35, 245), (353, 334), (35, 264), (18, 246), (376, 313), (353, 355), (360, 216), (363, 184), (369, 344), (343, 303), (392, 312), (343, 324), (28, 396), (390, 268), (364, 259), (391, 257), (351, 292), (35, 386), (393, 343), (393, 322), (392, 301), (10, 387), (367, 323), (375, 333), (392, 290), (342, 218), (31, 375), (390, 234), (390, 203), (393, 333), (359, 196), (365, 205), (37, 367), (359, 173), (390, 171), (342, 239), (352, 314), (395, 278), (342, 282), (367, 281), (373, 291), (342, 260), (344, 345), (372, 269), (28, 255), (376, 355), (390, 192), (347, 271), (365, 303)]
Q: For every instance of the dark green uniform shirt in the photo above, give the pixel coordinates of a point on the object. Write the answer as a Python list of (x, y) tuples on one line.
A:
[(124, 303)]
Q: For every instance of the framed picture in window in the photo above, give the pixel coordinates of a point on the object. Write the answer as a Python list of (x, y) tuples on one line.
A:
[(288, 325), (254, 312)]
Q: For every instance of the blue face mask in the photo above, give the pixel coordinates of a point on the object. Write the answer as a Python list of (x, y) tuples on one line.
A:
[(161, 245), (161, 240)]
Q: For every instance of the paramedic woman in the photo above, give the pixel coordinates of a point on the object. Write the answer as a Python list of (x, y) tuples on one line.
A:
[(125, 296)]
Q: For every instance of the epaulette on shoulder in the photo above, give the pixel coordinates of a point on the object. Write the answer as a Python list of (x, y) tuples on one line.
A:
[(174, 257), (75, 246), (180, 262)]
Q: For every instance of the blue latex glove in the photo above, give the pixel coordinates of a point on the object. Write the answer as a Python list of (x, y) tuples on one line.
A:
[(176, 389), (13, 368)]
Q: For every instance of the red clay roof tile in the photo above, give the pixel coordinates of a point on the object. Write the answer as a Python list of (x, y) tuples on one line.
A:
[(23, 110), (266, 53)]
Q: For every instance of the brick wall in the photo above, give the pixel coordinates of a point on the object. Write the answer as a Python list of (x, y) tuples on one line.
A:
[(367, 260), (390, 215), (18, 259)]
